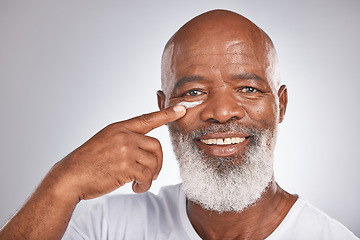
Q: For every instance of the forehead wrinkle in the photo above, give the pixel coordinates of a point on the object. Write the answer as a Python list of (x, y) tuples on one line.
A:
[(240, 47), (199, 51), (192, 61)]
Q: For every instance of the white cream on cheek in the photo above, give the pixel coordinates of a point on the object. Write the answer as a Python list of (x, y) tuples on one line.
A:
[(190, 104)]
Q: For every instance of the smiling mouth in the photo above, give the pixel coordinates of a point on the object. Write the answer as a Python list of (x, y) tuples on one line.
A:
[(223, 141)]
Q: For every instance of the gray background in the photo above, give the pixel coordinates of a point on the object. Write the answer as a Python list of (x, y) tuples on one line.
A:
[(68, 68)]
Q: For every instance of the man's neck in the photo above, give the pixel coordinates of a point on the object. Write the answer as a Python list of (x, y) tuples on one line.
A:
[(256, 222)]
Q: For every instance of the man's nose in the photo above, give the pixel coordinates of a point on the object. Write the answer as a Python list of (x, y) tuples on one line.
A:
[(221, 108)]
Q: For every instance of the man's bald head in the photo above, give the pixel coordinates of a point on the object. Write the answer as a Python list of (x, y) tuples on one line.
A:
[(210, 30)]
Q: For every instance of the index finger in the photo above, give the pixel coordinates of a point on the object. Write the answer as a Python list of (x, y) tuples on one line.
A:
[(147, 122)]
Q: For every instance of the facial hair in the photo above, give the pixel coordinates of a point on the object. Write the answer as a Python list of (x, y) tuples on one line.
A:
[(224, 184)]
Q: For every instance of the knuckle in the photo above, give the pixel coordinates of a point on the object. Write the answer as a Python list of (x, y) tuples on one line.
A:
[(124, 150), (121, 128), (122, 138), (155, 143), (158, 152), (124, 165), (146, 119), (111, 126), (155, 165), (119, 183), (167, 113), (116, 127), (146, 172)]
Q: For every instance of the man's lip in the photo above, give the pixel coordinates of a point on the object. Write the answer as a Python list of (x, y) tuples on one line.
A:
[(223, 144)]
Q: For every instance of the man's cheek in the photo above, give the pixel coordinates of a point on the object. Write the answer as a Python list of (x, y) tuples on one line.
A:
[(188, 122), (262, 111)]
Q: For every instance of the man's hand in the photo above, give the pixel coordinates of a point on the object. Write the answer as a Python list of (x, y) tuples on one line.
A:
[(118, 154)]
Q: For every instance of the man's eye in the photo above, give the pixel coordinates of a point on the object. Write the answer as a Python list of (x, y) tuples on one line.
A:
[(193, 92), (248, 90)]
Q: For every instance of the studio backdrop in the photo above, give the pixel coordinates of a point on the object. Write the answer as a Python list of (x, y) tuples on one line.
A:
[(69, 68)]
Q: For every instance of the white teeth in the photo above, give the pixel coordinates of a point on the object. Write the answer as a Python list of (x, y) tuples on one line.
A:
[(227, 141), (223, 141)]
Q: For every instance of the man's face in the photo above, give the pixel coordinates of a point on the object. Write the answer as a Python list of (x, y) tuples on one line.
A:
[(229, 79), (225, 143)]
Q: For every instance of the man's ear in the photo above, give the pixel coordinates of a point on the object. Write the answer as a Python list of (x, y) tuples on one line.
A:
[(161, 99), (283, 100)]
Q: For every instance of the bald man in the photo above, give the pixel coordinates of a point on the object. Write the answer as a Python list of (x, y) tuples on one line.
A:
[(222, 101)]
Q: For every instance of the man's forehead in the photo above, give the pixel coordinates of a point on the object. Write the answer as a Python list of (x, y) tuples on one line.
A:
[(215, 46), (230, 56), (215, 33), (229, 52)]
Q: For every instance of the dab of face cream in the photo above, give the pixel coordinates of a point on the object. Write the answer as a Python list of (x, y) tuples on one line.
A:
[(190, 104)]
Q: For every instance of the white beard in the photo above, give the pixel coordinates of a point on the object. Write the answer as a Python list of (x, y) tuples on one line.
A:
[(224, 184)]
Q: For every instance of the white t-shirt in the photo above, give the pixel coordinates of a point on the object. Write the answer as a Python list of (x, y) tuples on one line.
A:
[(163, 216)]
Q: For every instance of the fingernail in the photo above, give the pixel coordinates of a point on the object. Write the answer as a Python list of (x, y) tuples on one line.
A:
[(179, 108)]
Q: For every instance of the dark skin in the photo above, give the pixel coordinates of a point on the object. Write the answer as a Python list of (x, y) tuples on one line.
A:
[(118, 154), (257, 222), (220, 59), (229, 73)]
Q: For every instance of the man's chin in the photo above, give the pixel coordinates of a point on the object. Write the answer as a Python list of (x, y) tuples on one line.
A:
[(226, 206), (228, 183), (222, 165), (225, 184), (223, 197)]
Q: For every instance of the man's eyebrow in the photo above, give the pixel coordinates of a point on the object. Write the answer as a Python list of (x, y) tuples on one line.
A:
[(248, 76), (187, 79)]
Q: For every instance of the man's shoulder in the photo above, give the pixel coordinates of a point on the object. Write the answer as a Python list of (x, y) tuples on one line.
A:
[(119, 216), (307, 213), (305, 221)]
